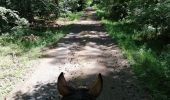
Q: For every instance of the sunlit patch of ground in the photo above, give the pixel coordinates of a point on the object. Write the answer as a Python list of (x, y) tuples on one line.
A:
[(12, 68), (83, 53)]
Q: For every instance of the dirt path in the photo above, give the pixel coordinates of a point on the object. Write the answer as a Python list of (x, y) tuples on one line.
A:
[(86, 51)]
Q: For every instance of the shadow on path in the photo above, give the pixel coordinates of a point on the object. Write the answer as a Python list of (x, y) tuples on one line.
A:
[(83, 53), (120, 86)]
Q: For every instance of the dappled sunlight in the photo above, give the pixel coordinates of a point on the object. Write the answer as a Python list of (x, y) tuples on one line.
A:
[(81, 60), (84, 52), (117, 85)]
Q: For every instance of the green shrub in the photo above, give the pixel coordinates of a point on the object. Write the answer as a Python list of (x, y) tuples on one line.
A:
[(149, 15), (150, 61), (10, 19), (117, 9), (152, 13), (31, 8), (72, 5)]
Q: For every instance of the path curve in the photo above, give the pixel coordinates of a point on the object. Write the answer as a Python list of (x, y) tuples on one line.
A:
[(83, 53)]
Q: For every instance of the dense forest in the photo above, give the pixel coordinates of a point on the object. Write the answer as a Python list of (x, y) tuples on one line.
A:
[(141, 28)]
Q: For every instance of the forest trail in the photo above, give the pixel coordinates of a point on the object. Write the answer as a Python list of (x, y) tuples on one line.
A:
[(83, 53)]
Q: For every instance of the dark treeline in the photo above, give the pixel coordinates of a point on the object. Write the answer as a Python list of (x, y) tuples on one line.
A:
[(36, 9)]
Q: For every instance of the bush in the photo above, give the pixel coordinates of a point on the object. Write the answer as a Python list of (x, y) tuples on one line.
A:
[(117, 9), (10, 19), (154, 72), (152, 13), (150, 60), (146, 14), (31, 8), (72, 5)]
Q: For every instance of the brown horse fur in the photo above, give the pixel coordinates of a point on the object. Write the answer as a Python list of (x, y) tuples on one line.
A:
[(70, 93)]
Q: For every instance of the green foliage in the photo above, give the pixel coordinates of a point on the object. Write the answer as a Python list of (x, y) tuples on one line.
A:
[(101, 14), (147, 14), (19, 49), (30, 8), (44, 9), (27, 38), (72, 16), (10, 19), (152, 13), (144, 37), (117, 9), (150, 63), (72, 5)]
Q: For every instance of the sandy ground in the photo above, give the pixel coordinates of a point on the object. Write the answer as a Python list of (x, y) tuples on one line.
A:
[(83, 53)]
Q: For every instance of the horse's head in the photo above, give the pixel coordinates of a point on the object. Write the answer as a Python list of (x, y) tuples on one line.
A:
[(87, 93)]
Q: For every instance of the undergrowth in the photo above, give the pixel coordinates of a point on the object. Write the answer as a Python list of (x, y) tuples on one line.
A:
[(150, 59), (19, 49), (72, 16)]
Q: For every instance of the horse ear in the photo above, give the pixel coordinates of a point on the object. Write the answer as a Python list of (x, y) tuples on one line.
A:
[(97, 87), (62, 85)]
